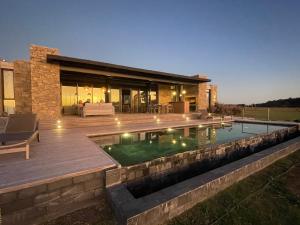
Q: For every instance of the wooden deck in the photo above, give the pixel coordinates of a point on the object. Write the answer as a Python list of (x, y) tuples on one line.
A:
[(66, 151)]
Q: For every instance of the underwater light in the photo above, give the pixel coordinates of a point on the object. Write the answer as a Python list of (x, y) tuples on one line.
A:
[(109, 148), (174, 141), (150, 142), (183, 144)]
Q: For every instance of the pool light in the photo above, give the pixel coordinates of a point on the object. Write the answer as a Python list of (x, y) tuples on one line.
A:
[(109, 148), (174, 141), (150, 142), (183, 144)]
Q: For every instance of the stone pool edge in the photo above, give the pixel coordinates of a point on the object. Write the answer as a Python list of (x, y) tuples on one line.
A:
[(170, 202)]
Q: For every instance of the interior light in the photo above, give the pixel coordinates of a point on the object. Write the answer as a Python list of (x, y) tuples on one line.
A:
[(174, 93)]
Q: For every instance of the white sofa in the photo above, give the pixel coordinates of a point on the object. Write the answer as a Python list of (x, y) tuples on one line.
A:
[(96, 109)]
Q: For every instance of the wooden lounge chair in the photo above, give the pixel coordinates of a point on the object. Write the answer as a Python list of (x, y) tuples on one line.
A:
[(19, 132)]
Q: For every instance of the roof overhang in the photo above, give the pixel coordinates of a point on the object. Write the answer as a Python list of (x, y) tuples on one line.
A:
[(111, 70)]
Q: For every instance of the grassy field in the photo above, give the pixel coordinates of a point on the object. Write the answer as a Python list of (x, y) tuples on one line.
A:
[(284, 114), (270, 197)]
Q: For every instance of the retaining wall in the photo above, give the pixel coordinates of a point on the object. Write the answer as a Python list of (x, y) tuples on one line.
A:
[(47, 201)]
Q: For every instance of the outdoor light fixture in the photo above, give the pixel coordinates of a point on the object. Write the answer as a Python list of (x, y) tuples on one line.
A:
[(126, 135), (187, 119), (209, 114), (183, 144), (109, 148), (169, 129), (58, 126), (183, 115), (158, 120), (116, 119), (58, 121), (108, 91), (119, 123), (200, 125), (174, 141), (154, 117), (180, 137)]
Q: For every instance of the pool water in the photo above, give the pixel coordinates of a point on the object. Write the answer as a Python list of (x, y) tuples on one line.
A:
[(133, 148)]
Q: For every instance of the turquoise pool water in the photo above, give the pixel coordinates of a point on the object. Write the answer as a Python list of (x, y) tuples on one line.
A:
[(132, 148)]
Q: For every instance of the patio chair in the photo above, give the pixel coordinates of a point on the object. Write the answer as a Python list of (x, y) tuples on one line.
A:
[(19, 132)]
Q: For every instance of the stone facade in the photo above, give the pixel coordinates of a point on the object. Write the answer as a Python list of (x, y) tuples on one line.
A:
[(213, 94), (40, 203), (45, 83), (22, 85)]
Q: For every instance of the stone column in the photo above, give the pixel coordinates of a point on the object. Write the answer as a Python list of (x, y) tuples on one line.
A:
[(202, 96), (22, 86), (213, 94), (45, 83)]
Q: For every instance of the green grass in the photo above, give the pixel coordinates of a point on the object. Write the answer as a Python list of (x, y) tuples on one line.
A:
[(284, 114), (263, 198)]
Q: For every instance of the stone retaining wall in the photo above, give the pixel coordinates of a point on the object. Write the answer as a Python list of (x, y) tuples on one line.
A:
[(167, 163), (47, 201), (163, 205)]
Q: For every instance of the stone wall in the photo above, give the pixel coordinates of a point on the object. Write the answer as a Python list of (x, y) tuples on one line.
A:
[(45, 83), (213, 94), (202, 96), (164, 94), (22, 85), (164, 205), (180, 160), (47, 201)]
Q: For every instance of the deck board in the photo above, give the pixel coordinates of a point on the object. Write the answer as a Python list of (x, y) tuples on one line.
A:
[(68, 151)]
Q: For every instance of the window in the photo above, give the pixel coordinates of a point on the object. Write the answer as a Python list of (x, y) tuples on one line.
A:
[(8, 91)]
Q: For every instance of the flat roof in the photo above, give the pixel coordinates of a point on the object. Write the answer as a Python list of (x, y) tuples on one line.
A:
[(103, 66)]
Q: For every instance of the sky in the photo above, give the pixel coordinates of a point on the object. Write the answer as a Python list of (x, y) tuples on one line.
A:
[(249, 48)]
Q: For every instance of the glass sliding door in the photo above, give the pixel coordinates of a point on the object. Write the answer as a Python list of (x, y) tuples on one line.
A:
[(98, 95), (69, 99), (115, 98)]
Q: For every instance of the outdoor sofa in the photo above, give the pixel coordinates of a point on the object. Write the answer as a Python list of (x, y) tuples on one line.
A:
[(97, 109), (20, 130)]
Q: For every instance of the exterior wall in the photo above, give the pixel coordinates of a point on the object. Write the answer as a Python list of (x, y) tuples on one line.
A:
[(45, 83), (213, 94), (40, 203), (164, 94), (202, 97), (22, 85)]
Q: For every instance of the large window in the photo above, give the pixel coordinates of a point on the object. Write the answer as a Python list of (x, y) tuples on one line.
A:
[(8, 91)]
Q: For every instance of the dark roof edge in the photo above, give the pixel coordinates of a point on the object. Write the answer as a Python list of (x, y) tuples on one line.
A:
[(65, 59)]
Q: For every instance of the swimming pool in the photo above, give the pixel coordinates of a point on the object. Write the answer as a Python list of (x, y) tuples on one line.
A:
[(133, 148)]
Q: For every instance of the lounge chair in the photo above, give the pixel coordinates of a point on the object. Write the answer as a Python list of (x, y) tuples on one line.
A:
[(19, 132)]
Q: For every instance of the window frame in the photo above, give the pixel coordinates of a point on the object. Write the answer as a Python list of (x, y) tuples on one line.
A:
[(2, 87)]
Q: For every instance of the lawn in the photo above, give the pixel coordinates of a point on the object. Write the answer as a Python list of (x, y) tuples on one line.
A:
[(285, 114), (271, 196)]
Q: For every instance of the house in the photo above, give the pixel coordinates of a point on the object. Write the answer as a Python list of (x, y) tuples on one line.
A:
[(51, 85)]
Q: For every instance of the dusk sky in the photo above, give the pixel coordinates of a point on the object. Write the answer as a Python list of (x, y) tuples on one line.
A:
[(250, 49)]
